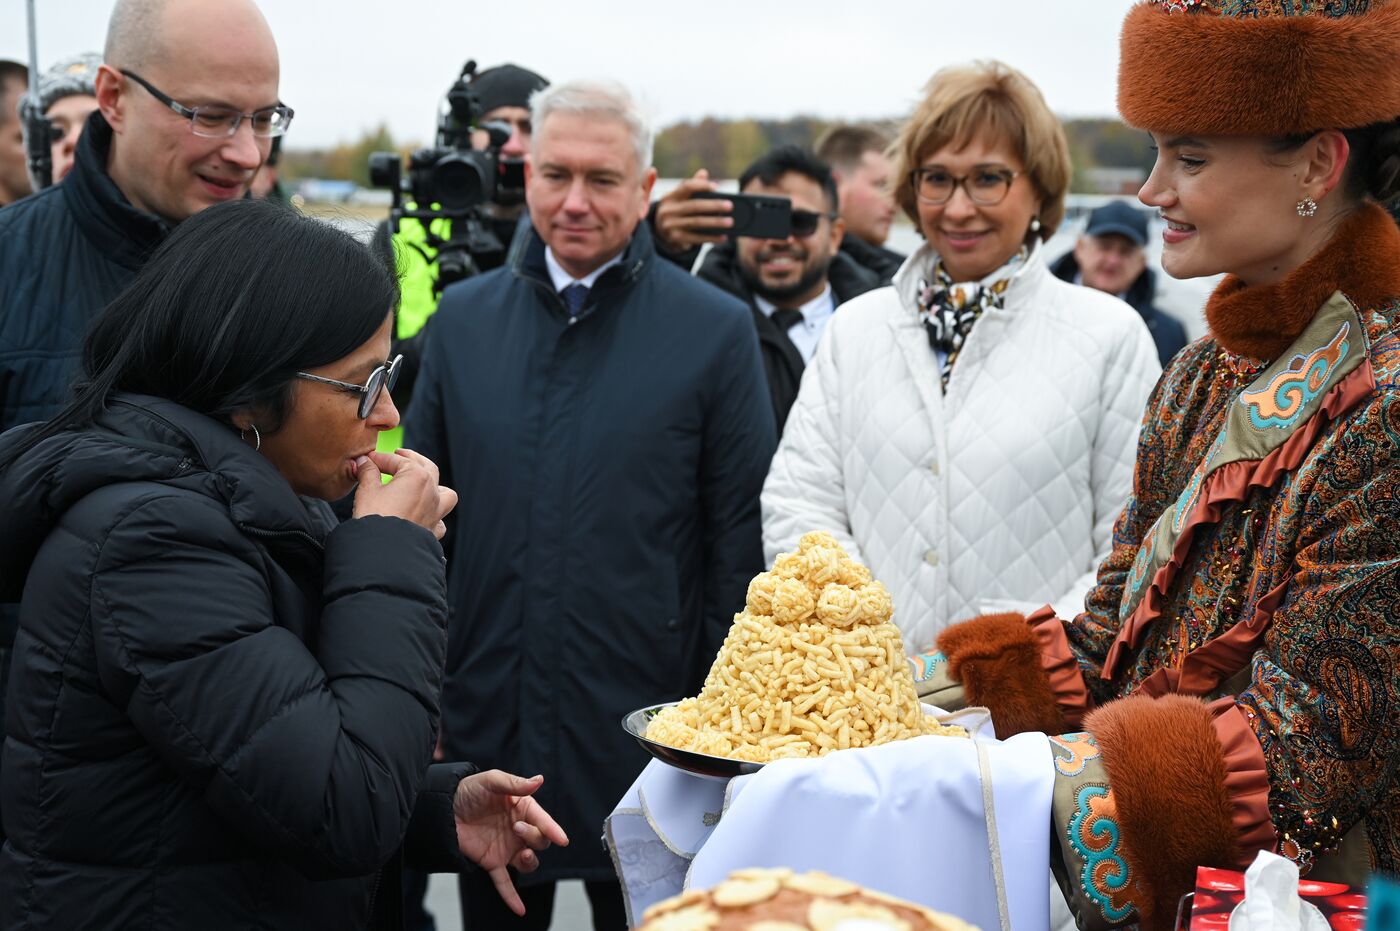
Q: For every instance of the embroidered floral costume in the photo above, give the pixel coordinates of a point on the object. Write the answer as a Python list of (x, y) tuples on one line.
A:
[(1256, 566), (1234, 682)]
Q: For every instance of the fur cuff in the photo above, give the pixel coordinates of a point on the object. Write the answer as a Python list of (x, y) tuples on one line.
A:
[(1210, 74), (1169, 779), (996, 657)]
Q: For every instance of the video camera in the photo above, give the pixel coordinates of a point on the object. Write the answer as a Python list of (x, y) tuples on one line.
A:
[(454, 181)]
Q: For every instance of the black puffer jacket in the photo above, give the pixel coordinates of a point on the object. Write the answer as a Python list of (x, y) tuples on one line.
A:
[(222, 705)]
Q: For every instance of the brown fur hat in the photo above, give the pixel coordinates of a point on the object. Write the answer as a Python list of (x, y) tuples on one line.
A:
[(1266, 67)]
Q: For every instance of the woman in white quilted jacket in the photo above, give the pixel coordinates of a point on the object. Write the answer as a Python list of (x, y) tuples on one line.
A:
[(969, 432)]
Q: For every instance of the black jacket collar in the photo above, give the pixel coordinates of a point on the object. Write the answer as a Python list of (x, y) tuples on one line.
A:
[(877, 259), (108, 220), (847, 279), (529, 262)]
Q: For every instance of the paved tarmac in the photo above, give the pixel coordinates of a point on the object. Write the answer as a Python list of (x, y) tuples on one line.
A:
[(571, 911)]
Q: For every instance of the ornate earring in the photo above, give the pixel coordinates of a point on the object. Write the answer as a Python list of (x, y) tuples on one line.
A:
[(1307, 207), (257, 437)]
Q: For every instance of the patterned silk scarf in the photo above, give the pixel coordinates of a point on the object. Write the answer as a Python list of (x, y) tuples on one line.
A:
[(950, 309)]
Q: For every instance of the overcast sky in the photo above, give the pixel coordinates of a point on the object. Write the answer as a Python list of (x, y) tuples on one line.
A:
[(348, 65)]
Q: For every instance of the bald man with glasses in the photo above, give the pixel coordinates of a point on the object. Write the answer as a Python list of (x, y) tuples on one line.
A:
[(187, 110), (184, 122)]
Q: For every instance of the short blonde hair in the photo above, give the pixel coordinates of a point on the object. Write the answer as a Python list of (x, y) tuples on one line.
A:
[(995, 101)]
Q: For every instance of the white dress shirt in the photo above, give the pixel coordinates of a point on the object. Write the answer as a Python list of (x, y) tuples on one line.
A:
[(563, 279)]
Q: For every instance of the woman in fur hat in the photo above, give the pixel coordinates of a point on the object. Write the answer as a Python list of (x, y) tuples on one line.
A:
[(1233, 684)]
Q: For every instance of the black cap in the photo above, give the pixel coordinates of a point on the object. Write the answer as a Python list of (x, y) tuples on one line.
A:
[(506, 86), (1118, 219)]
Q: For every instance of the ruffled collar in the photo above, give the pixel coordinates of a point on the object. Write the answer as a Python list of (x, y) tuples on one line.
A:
[(1362, 261)]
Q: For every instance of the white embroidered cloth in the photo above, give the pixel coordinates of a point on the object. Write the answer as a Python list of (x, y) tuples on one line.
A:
[(961, 826)]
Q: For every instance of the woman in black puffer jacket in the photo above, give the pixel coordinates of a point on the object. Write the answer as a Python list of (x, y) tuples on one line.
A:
[(223, 704)]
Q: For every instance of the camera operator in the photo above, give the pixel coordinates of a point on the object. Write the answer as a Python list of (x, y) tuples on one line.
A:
[(502, 95), (65, 98)]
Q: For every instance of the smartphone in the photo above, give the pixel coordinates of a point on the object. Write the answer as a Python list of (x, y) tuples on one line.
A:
[(757, 215)]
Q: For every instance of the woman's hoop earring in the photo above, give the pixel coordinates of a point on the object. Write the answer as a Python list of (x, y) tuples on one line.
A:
[(1307, 207), (257, 437)]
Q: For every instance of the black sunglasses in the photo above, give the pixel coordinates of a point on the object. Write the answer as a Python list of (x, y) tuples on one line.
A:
[(379, 380), (805, 222)]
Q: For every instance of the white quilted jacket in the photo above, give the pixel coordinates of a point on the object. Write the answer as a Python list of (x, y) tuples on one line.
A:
[(1000, 494)]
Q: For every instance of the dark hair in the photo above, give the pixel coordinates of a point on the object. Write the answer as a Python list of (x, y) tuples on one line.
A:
[(11, 72), (1373, 167), (791, 158), (237, 300), (842, 147)]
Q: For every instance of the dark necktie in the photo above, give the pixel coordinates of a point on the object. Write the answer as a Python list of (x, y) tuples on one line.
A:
[(785, 320), (574, 296)]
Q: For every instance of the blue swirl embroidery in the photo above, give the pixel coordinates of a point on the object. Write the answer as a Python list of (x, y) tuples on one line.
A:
[(1096, 838), (1281, 402), (926, 664)]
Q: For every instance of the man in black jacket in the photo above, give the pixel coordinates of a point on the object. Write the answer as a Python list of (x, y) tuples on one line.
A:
[(602, 415), (792, 285), (1111, 256), (187, 105)]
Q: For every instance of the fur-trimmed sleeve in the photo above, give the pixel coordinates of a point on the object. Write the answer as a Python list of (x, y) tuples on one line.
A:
[(999, 661), (1152, 789)]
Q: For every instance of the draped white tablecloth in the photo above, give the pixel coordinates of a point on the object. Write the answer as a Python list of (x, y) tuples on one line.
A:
[(961, 826)]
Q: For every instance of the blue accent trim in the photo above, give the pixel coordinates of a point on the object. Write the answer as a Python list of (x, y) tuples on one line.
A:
[(1116, 879), (927, 664)]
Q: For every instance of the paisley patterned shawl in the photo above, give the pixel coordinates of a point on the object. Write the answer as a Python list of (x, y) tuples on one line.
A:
[(1260, 550), (1267, 433)]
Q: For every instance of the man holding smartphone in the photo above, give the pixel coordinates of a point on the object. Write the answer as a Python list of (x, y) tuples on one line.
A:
[(793, 285)]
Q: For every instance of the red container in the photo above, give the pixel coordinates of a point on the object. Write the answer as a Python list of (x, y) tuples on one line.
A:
[(1219, 891)]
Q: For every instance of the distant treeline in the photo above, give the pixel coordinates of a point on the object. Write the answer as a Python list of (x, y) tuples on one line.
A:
[(725, 147)]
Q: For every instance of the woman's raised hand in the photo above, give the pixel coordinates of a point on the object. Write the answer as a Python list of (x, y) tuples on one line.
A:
[(413, 493), (499, 826)]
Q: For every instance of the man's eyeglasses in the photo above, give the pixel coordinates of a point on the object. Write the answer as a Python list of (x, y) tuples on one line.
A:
[(987, 185), (805, 222), (213, 122), (380, 380)]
